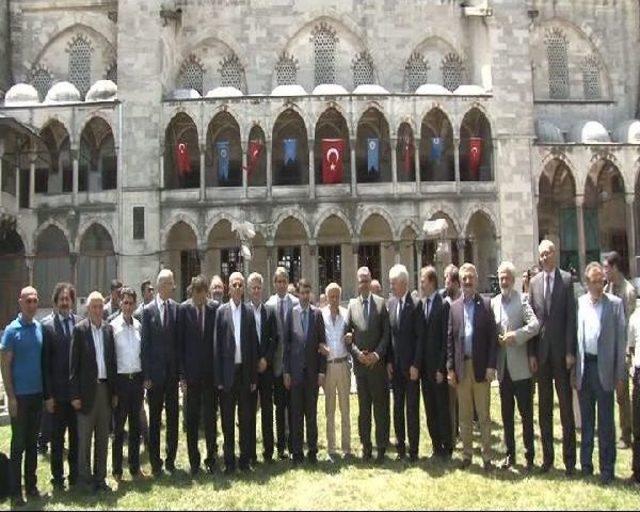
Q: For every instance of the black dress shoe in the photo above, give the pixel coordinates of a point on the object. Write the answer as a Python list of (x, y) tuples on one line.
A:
[(507, 463), (17, 502), (282, 455), (413, 457), (530, 467), (367, 455), (229, 470), (102, 487), (247, 468), (312, 458), (606, 479), (195, 471), (487, 465), (170, 467), (297, 459), (546, 467), (401, 456), (58, 485), (35, 493), (157, 471), (465, 464), (570, 471)]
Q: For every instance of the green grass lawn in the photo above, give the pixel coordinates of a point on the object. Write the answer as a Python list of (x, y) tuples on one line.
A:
[(396, 485)]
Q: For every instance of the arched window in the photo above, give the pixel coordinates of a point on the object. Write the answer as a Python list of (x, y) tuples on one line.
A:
[(192, 74), (416, 72), (80, 64), (452, 71), (286, 70), (232, 73), (42, 80), (558, 62), (324, 49), (362, 69), (591, 78)]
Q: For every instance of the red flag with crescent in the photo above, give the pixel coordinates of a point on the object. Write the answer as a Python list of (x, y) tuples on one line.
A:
[(253, 157), (475, 155), (332, 160), (182, 158)]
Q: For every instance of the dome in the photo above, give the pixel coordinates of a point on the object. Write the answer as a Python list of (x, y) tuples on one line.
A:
[(432, 90), (370, 90), (548, 133), (628, 132), (184, 94), (62, 92), (289, 90), (589, 132), (21, 94), (224, 92), (469, 90), (329, 90), (103, 90)]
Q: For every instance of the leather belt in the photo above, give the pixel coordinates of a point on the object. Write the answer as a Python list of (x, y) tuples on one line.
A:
[(338, 360), (129, 376)]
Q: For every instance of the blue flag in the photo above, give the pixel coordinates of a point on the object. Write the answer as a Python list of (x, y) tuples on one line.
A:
[(373, 155), (290, 151), (223, 160), (437, 147)]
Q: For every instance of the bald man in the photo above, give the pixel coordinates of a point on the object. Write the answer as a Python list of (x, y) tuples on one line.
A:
[(21, 366)]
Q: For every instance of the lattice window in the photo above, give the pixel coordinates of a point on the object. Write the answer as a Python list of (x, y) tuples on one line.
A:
[(416, 72), (591, 78), (232, 72), (558, 62), (286, 70), (324, 49), (80, 51), (41, 79), (363, 69), (112, 72), (192, 74), (452, 71)]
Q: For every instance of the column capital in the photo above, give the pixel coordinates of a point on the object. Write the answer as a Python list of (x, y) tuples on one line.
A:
[(630, 198), (579, 200)]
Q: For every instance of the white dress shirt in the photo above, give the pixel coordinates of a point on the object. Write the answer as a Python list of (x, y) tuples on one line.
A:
[(98, 343), (66, 323), (591, 317), (127, 341), (633, 339), (257, 314), (334, 332), (161, 307), (235, 314)]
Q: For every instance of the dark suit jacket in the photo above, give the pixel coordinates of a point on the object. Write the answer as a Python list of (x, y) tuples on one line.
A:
[(84, 369), (557, 336), (195, 346), (433, 336), (405, 350), (56, 354), (301, 353), (159, 345), (485, 340), (371, 336), (268, 339), (225, 347)]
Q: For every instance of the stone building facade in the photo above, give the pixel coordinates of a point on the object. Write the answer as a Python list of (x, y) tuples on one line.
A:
[(127, 127)]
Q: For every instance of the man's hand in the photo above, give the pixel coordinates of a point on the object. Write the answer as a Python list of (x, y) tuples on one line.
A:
[(76, 404), (114, 401), (390, 371), (323, 349), (509, 339), (363, 359), (453, 380), (533, 364), (253, 388), (321, 380), (439, 377), (49, 405), (571, 361), (262, 365), (348, 338), (414, 373), (148, 384), (372, 358), (491, 374), (287, 380), (13, 407)]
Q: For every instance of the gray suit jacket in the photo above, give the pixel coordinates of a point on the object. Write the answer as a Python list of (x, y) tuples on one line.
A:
[(611, 343), (371, 336), (283, 330), (522, 320)]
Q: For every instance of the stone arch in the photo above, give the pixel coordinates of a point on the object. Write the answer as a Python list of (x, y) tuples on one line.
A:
[(448, 212), (87, 224), (176, 218), (294, 213), (484, 210), (48, 223), (328, 213), (376, 210)]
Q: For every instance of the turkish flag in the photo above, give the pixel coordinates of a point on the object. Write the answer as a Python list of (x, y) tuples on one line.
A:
[(332, 157), (475, 155), (182, 158), (255, 151)]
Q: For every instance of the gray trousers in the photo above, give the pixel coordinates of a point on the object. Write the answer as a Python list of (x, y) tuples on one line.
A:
[(95, 421)]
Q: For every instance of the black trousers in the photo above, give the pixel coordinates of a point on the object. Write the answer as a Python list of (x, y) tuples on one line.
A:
[(130, 392), (202, 403), (551, 371), (635, 399), (373, 393), (406, 402), (46, 430), (163, 396), (264, 393), (282, 401), (304, 411), (520, 391), (64, 420), (238, 397), (24, 441), (436, 406)]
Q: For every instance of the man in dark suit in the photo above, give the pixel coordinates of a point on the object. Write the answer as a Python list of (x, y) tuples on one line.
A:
[(236, 371), (267, 332), (472, 346), (433, 340), (160, 370), (57, 331), (196, 322), (304, 371), (404, 361), (93, 395), (551, 297), (368, 339)]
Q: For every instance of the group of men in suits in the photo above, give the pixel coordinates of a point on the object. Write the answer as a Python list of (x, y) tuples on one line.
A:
[(246, 354)]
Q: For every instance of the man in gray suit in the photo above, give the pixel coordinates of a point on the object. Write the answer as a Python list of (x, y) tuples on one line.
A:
[(283, 303), (368, 339), (516, 325), (600, 369), (551, 297)]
